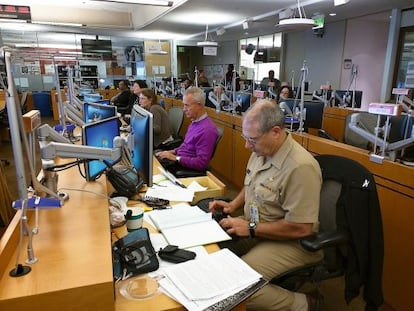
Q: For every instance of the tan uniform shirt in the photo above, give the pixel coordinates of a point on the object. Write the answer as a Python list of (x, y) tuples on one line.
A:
[(285, 186)]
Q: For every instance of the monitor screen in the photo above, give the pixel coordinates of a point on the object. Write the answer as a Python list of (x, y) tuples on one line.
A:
[(314, 114), (102, 47), (84, 91), (92, 97), (244, 100), (103, 102), (93, 112), (343, 98), (314, 111), (99, 134), (140, 142)]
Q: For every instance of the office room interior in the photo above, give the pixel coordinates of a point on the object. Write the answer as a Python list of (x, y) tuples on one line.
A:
[(364, 46)]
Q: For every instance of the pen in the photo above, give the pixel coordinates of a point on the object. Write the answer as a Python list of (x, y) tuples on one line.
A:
[(179, 184)]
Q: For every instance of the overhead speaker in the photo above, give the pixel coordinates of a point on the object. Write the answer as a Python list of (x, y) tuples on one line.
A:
[(250, 48)]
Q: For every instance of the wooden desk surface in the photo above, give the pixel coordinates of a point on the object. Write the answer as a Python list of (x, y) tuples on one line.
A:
[(73, 247)]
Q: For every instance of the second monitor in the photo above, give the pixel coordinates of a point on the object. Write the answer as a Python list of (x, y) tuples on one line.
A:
[(140, 142)]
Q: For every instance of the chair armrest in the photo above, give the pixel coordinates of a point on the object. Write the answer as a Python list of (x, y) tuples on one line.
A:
[(323, 240)]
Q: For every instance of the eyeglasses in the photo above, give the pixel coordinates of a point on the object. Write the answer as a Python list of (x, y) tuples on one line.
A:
[(252, 140)]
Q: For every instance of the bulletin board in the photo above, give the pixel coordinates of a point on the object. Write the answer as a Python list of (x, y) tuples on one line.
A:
[(157, 65), (215, 72)]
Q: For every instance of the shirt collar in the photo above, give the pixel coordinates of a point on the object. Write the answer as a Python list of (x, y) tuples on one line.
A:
[(202, 117)]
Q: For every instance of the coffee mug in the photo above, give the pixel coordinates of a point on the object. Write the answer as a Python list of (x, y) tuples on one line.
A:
[(136, 218)]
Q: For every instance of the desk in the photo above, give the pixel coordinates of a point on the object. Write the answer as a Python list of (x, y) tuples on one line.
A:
[(74, 271)]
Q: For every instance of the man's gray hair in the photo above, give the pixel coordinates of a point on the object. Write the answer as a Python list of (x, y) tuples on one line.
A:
[(267, 114), (197, 93)]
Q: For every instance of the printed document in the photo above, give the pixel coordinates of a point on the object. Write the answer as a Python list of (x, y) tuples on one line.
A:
[(198, 284), (187, 226)]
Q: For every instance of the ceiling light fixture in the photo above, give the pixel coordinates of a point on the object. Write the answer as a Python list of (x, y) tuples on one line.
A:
[(57, 24), (206, 42), (296, 23), (142, 2), (245, 25), (340, 2)]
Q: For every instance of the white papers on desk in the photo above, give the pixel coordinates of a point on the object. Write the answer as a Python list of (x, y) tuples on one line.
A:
[(168, 191), (198, 284), (187, 226)]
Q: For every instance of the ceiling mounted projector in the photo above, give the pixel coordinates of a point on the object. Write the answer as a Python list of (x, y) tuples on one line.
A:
[(206, 42), (296, 23)]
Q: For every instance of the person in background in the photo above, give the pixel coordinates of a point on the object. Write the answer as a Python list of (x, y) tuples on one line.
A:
[(122, 99), (137, 86), (270, 82), (280, 202), (197, 148), (228, 79), (202, 79), (285, 92), (162, 127)]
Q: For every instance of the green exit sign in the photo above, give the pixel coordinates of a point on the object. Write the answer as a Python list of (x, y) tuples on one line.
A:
[(180, 49)]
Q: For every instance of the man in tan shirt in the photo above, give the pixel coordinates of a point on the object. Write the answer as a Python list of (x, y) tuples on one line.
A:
[(280, 198)]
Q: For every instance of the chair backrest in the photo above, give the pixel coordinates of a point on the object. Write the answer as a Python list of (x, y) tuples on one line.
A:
[(176, 117), (220, 135), (349, 203)]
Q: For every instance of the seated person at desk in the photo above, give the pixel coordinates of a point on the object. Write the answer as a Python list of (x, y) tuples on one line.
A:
[(122, 99), (162, 128), (196, 150), (280, 199), (270, 82), (202, 79), (285, 92)]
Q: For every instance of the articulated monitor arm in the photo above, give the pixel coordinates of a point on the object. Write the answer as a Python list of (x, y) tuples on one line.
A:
[(387, 148), (63, 148)]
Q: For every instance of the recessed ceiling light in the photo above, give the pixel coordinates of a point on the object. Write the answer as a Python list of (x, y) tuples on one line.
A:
[(332, 14)]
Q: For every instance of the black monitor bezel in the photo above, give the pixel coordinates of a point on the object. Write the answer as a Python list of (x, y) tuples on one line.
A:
[(85, 128), (146, 151)]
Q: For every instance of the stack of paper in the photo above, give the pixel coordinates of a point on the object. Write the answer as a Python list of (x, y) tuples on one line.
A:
[(199, 284), (187, 226)]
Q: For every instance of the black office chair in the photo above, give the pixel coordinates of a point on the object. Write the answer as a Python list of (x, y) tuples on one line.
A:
[(176, 117), (350, 233), (187, 172)]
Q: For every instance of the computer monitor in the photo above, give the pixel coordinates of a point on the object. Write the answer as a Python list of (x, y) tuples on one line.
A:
[(244, 100), (99, 134), (103, 102), (343, 98), (140, 142), (83, 91), (93, 112), (92, 97), (314, 114)]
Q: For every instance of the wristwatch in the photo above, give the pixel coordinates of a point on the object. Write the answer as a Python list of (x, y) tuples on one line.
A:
[(252, 228), (177, 159)]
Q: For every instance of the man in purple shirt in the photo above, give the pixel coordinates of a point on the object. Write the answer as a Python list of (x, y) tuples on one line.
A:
[(196, 150)]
